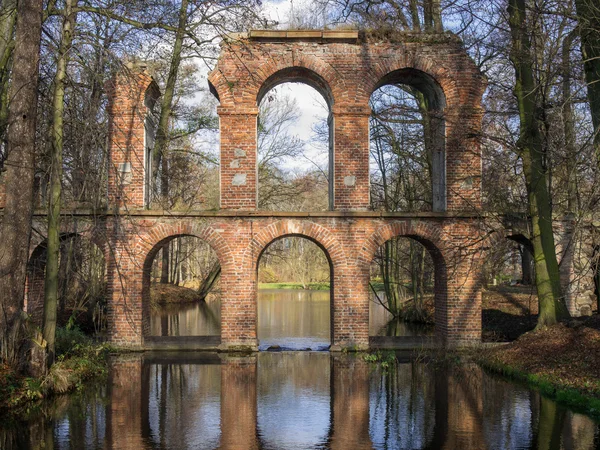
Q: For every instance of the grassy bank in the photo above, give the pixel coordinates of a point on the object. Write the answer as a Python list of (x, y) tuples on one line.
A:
[(321, 286), (78, 361), (562, 361)]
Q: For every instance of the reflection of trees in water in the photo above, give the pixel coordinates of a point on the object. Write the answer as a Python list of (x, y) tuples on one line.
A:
[(382, 323), (320, 398), (294, 313), (402, 406), (197, 319), (66, 422), (182, 405)]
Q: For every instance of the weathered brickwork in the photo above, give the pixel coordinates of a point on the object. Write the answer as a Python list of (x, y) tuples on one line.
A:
[(349, 240), (131, 96), (346, 71)]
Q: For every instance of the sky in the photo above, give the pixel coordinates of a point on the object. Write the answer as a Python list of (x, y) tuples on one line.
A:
[(310, 103)]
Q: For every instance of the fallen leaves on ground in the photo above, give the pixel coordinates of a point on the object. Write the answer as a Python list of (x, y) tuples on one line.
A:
[(567, 354)]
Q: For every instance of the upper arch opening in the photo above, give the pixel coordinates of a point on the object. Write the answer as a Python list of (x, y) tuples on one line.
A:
[(423, 82), (297, 74), (408, 140)]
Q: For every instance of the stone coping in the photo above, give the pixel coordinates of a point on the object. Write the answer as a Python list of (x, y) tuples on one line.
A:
[(279, 35)]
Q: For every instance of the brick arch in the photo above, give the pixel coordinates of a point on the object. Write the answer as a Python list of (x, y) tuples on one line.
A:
[(149, 246), (419, 63), (430, 237), (220, 88), (90, 233), (310, 230), (304, 68), (424, 233)]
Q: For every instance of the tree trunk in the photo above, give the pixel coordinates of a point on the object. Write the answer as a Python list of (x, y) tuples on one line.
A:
[(166, 105), (15, 228), (159, 153), (54, 196), (8, 17), (568, 125), (551, 303), (389, 276), (164, 267), (210, 280), (588, 15)]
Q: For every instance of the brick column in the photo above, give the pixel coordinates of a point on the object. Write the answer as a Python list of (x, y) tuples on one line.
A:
[(124, 276), (458, 309), (238, 158), (238, 403), (131, 97), (238, 309), (463, 159), (350, 160), (350, 308)]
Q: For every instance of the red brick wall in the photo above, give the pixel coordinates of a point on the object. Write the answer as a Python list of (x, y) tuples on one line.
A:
[(347, 73), (238, 159), (127, 94), (350, 244)]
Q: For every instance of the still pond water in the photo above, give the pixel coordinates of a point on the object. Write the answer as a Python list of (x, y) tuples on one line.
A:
[(293, 319), (297, 400)]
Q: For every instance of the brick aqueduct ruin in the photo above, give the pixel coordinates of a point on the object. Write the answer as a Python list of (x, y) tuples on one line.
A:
[(346, 70)]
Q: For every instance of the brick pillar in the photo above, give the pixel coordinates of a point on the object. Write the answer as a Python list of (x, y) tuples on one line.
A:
[(238, 309), (351, 160), (238, 403), (238, 159), (124, 276), (131, 95), (350, 308), (463, 159), (124, 412), (350, 402), (458, 307)]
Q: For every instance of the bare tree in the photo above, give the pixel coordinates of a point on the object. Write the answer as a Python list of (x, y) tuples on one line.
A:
[(19, 164)]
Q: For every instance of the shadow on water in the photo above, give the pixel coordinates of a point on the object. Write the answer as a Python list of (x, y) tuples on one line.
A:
[(298, 400)]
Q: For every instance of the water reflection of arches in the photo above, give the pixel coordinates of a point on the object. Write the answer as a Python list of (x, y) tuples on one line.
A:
[(257, 401)]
